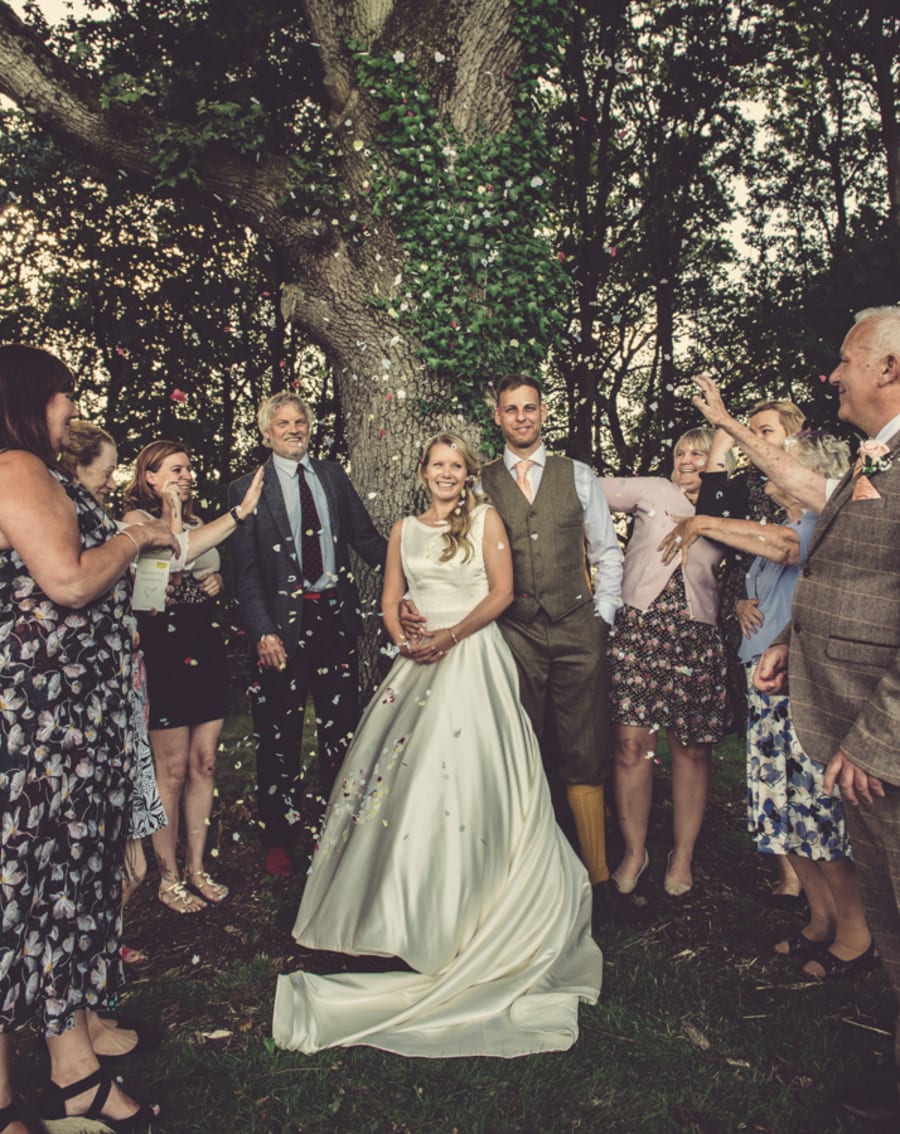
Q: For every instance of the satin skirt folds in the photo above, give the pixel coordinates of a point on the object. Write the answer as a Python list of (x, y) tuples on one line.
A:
[(440, 847)]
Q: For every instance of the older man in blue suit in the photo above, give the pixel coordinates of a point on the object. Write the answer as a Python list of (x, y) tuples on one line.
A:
[(300, 609)]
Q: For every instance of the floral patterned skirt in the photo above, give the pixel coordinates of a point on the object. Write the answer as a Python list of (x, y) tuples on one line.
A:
[(668, 670), (787, 808)]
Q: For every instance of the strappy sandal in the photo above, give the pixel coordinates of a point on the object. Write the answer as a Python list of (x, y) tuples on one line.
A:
[(53, 1104), (833, 968), (215, 892), (802, 948), (148, 1039), (15, 1113), (179, 898)]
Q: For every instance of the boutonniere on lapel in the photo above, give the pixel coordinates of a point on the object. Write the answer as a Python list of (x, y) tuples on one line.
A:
[(874, 456)]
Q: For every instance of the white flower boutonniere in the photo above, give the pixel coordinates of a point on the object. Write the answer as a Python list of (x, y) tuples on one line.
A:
[(874, 457)]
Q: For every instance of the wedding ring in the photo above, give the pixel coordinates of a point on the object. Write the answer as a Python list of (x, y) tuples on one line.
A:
[(677, 539)]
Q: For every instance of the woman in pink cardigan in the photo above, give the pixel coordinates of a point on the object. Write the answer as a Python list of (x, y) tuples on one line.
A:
[(667, 664)]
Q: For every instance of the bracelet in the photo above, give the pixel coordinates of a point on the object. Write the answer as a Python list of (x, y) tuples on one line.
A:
[(137, 546), (235, 515), (403, 642), (453, 636)]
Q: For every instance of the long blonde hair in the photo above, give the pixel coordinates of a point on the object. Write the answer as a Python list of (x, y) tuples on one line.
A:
[(460, 520)]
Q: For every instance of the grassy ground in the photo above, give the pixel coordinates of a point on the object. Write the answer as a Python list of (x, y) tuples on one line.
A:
[(700, 1029)]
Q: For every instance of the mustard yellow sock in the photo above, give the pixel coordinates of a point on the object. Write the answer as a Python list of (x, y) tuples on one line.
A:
[(588, 810)]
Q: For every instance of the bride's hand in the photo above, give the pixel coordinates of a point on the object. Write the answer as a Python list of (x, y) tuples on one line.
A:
[(430, 648)]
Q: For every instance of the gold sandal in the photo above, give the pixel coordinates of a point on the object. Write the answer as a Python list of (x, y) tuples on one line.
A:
[(215, 892), (178, 897)]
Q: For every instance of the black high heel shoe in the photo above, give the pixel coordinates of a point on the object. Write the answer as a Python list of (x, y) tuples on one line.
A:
[(53, 1104), (15, 1113), (148, 1039)]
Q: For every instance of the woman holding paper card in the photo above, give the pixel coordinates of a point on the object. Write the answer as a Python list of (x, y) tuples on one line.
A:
[(185, 659), (66, 744)]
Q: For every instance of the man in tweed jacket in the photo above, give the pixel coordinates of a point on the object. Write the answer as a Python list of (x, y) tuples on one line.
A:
[(840, 653)]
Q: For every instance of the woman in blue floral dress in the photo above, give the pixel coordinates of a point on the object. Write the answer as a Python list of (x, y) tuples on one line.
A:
[(65, 745)]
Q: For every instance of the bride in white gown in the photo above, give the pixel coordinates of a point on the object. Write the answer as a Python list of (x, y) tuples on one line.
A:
[(439, 844)]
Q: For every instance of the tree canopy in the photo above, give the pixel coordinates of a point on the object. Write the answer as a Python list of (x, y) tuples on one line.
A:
[(389, 204)]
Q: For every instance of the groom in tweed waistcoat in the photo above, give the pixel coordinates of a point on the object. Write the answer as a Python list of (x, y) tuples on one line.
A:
[(840, 653), (559, 525)]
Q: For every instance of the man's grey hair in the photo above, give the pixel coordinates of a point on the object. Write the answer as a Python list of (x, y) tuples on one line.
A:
[(270, 406), (884, 332)]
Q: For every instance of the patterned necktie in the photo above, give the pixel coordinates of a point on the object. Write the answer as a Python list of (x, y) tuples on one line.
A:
[(522, 481), (310, 547)]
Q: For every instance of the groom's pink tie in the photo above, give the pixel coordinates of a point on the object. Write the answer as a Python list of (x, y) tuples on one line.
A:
[(522, 480)]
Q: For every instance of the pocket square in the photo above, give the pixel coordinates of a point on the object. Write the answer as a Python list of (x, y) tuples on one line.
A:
[(863, 490)]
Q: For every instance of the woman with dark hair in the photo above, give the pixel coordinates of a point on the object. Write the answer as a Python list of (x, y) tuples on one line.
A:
[(186, 675), (66, 746), (439, 844)]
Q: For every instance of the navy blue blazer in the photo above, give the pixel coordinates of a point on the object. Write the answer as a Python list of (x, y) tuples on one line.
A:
[(267, 578)]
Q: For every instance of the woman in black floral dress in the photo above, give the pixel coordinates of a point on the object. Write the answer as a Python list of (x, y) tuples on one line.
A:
[(65, 744)]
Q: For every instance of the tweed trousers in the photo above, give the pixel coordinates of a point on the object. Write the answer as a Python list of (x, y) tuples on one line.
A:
[(875, 835)]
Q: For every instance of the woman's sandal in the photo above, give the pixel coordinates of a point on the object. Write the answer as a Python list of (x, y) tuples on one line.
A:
[(802, 948), (132, 956), (53, 1104), (179, 898), (148, 1039), (834, 968), (15, 1113), (206, 886)]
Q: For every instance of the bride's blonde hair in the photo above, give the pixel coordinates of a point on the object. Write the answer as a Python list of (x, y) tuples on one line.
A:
[(460, 521)]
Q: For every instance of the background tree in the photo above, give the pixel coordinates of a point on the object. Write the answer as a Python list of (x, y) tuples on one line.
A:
[(390, 158)]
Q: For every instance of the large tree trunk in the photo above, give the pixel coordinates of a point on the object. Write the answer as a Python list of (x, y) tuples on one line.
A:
[(463, 48)]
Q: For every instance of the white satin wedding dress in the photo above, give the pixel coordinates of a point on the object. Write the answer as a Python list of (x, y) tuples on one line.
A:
[(440, 847)]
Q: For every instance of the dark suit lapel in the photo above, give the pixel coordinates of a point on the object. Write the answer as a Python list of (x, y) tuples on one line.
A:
[(274, 499)]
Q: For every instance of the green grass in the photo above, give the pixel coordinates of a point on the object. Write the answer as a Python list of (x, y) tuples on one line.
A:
[(699, 1029)]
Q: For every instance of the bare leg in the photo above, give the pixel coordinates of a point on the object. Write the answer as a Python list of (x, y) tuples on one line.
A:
[(690, 786), (198, 802), (135, 869), (198, 792), (72, 1058), (851, 933), (170, 755), (788, 882), (6, 1091), (633, 783), (822, 911)]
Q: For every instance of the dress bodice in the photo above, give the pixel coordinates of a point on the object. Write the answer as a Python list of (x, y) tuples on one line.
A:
[(444, 591)]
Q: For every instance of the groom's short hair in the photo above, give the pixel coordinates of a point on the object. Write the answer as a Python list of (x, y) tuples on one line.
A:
[(514, 381)]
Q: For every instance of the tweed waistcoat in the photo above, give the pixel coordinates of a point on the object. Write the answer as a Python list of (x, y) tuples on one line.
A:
[(546, 538)]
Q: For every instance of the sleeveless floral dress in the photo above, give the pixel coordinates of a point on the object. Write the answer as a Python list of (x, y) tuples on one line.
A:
[(66, 775)]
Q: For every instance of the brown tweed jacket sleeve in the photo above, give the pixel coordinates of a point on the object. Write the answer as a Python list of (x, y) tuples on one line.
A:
[(844, 666)]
